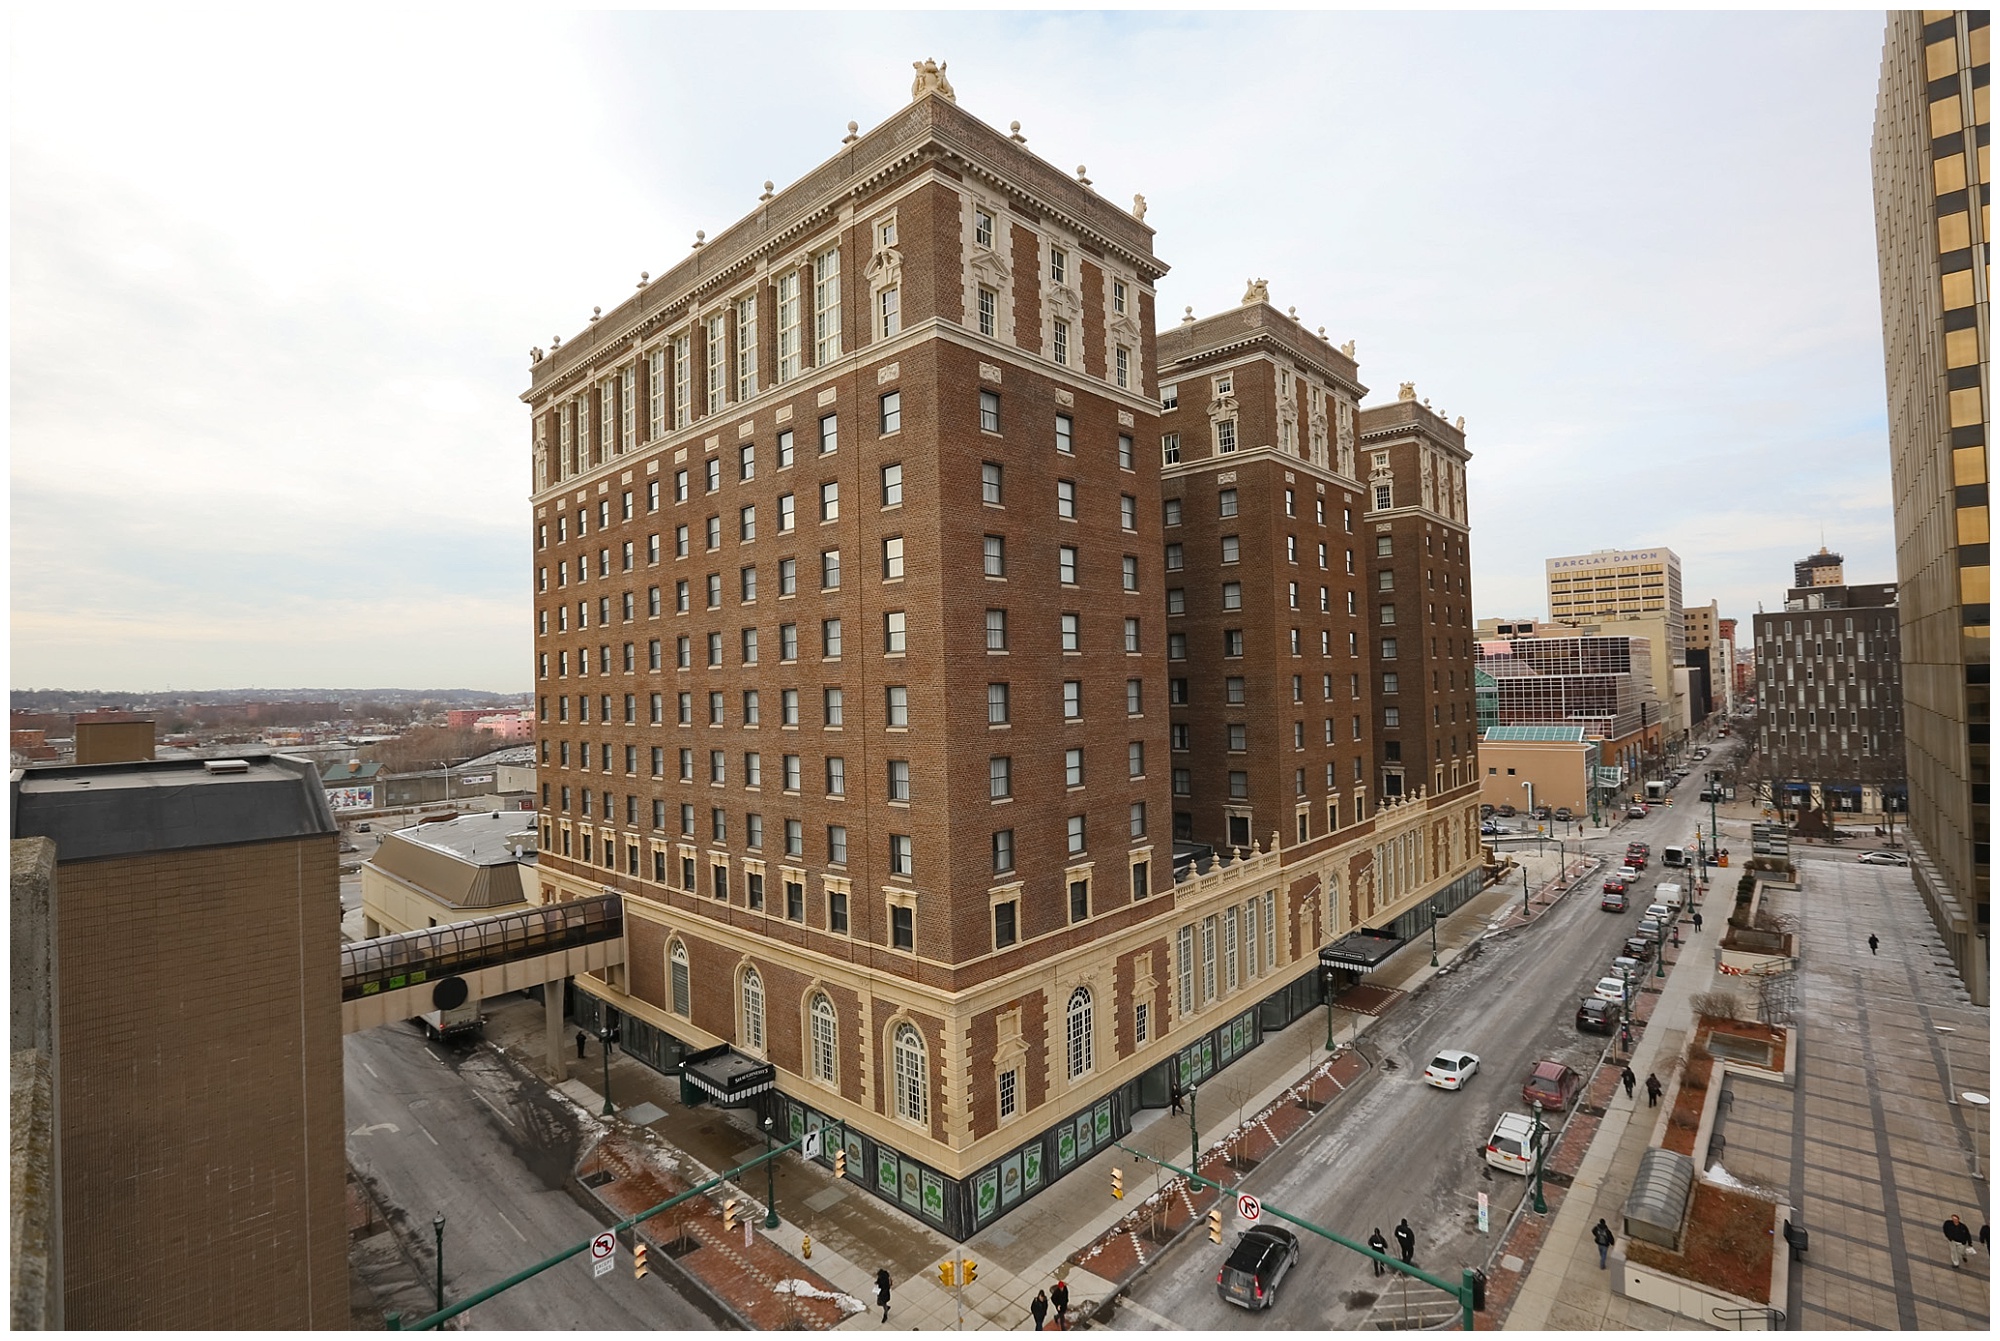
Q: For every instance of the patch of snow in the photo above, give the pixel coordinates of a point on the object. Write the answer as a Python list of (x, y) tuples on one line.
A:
[(804, 1290), (1718, 1174)]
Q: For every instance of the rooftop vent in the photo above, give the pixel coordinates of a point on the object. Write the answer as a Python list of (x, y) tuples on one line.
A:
[(226, 765)]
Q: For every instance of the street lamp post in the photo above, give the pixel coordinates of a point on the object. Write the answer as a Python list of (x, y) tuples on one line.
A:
[(770, 1181), (1434, 935), (1329, 1009), (1541, 1206), (437, 1227), (1194, 1143), (1524, 890), (604, 1038), (1979, 1103), (1945, 1032)]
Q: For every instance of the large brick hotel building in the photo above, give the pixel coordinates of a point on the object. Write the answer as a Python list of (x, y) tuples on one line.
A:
[(892, 643)]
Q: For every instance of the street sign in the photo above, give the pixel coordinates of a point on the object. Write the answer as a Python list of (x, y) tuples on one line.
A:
[(603, 1253), (1248, 1208), (811, 1146)]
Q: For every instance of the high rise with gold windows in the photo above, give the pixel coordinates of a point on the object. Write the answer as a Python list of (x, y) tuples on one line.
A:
[(1932, 202)]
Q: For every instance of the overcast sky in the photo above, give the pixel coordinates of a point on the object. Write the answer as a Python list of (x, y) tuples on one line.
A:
[(275, 274)]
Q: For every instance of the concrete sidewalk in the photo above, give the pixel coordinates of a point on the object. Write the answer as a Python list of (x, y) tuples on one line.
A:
[(854, 1233)]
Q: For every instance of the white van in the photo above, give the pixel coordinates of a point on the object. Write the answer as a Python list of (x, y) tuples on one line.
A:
[(1674, 856), (1508, 1148), (1669, 894)]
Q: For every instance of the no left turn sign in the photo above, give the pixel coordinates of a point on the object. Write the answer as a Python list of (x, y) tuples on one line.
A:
[(603, 1253), (1248, 1208)]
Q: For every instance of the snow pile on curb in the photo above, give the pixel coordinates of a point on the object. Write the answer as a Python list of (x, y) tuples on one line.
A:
[(805, 1290)]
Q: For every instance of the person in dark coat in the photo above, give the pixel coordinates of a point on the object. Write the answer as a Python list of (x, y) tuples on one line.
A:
[(1697, 920), (1958, 1235), (1653, 1088), (1380, 1245), (1602, 1236), (1874, 943), (1406, 1239), (882, 1291), (1630, 1080), (1059, 1299), (1039, 1307), (582, 1042)]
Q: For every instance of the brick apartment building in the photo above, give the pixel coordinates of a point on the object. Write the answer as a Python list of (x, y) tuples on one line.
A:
[(853, 675)]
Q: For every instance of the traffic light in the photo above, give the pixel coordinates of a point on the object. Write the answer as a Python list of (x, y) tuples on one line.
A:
[(968, 1271), (1118, 1184), (638, 1261), (1215, 1225), (729, 1216), (948, 1273), (806, 1248), (840, 1163)]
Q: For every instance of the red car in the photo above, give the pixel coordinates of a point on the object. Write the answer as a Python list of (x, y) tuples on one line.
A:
[(1614, 886), (1636, 846), (1553, 1084), (1636, 860)]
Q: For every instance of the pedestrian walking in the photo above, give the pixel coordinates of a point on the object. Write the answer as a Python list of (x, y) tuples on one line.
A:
[(1059, 1300), (1697, 920), (1406, 1239), (1602, 1236), (1380, 1245), (882, 1291), (1175, 1095), (1874, 943), (1653, 1088), (1626, 1075), (1982, 1233), (1039, 1307), (582, 1042), (1959, 1236)]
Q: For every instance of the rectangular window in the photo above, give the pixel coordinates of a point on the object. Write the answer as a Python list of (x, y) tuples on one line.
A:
[(888, 312), (1170, 449), (789, 343), (897, 704), (892, 413), (1066, 565), (785, 450), (836, 912), (746, 523), (1072, 699), (833, 705), (899, 779), (1003, 851), (1131, 634), (995, 556), (989, 322), (1073, 767), (829, 638), (892, 558), (892, 485), (746, 348), (894, 631), (1066, 499), (989, 411), (1134, 697), (902, 858), (1122, 366), (1058, 266), (1004, 935), (997, 704), (656, 396), (990, 475), (836, 844), (1225, 435), (1226, 503), (1061, 354), (996, 630), (718, 362), (1065, 435), (826, 307), (1184, 962), (1076, 849), (829, 434), (829, 501)]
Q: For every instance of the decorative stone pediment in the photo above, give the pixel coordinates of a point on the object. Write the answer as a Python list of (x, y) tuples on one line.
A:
[(1124, 330), (990, 267), (1222, 407), (1063, 301), (885, 268)]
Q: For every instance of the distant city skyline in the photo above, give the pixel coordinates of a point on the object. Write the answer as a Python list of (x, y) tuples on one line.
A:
[(265, 417)]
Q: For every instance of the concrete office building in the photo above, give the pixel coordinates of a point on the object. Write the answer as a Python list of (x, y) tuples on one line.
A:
[(1829, 702), (851, 603), (1601, 682), (1931, 162), (1641, 587), (195, 981)]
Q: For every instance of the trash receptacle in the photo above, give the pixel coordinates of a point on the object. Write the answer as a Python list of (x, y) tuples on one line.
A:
[(1798, 1237)]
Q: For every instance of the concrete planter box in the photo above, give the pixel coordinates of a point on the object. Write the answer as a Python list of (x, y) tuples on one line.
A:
[(1700, 1302)]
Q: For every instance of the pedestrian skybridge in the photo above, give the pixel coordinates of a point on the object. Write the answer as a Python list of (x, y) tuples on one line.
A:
[(395, 977)]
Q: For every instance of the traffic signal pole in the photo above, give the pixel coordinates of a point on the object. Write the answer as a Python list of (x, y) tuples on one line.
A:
[(443, 1316), (1463, 1291)]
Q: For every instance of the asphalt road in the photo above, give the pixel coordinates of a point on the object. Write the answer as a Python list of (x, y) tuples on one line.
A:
[(441, 1130), (1394, 1147)]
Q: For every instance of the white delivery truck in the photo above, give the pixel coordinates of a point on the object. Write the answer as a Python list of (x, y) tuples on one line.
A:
[(1656, 790), (1670, 895), (446, 1025), (1674, 856)]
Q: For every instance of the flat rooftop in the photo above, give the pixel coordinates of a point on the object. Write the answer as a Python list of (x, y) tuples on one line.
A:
[(485, 839), (161, 805)]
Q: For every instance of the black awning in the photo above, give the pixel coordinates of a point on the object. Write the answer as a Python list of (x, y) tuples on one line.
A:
[(1362, 950), (727, 1075)]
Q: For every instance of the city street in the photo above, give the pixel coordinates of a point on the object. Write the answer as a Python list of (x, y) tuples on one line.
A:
[(438, 1130), (1399, 1148)]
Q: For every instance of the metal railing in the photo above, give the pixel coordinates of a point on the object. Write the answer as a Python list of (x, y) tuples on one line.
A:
[(1773, 1318), (390, 962)]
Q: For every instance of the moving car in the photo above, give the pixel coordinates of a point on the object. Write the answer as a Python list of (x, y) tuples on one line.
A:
[(1610, 989), (1489, 829), (1614, 900), (1551, 1083), (1614, 886), (1883, 859), (1636, 812), (1629, 874), (1451, 1068), (1594, 1015), (1508, 1147), (1635, 857), (1636, 846), (1261, 1258)]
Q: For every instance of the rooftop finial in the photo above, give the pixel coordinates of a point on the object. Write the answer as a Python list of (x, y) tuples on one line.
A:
[(1139, 208), (1082, 176), (644, 277), (853, 133), (596, 312), (1014, 133), (767, 192), (1348, 349), (930, 79), (699, 237), (1259, 291), (1187, 318)]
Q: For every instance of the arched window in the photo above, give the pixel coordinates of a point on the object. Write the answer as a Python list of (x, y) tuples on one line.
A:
[(825, 1038), (677, 960), (753, 1011), (912, 1082), (1081, 1056)]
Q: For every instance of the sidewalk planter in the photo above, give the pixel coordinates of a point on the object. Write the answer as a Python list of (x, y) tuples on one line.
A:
[(1707, 1304)]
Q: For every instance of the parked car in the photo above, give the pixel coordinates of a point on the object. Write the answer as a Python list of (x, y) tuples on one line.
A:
[(1594, 1015), (1659, 912), (1542, 812), (1505, 812), (1451, 1068), (1639, 948), (364, 828), (1614, 900), (1508, 1147), (1610, 989), (1627, 966), (1553, 1084), (1883, 859), (1486, 812), (1260, 1260), (1563, 814), (1491, 830), (1651, 928)]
